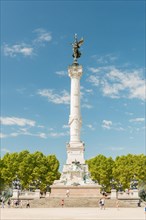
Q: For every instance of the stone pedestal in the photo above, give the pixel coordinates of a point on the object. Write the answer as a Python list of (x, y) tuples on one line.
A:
[(47, 194), (15, 194), (76, 191), (37, 193), (135, 193), (113, 194)]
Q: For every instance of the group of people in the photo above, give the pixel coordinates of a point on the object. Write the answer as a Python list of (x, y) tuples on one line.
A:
[(15, 203)]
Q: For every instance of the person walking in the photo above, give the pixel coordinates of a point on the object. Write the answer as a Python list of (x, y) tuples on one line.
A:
[(100, 202), (3, 203), (9, 203), (117, 204), (67, 193), (103, 203), (21, 204), (62, 203)]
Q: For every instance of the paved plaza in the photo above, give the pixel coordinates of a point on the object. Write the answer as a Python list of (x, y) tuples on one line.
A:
[(72, 214)]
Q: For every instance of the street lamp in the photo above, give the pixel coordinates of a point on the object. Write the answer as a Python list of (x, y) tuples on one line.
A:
[(120, 187), (17, 186), (134, 183), (16, 183), (103, 189), (48, 188), (113, 182)]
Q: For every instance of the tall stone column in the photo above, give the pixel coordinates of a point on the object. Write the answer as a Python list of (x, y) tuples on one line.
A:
[(75, 148), (75, 176), (75, 73)]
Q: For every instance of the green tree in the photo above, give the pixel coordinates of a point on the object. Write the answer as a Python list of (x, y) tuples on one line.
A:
[(1, 178), (10, 168), (32, 169), (129, 167), (100, 168)]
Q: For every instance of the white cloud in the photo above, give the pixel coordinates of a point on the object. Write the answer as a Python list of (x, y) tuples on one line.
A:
[(116, 148), (85, 105), (42, 36), (58, 134), (94, 80), (106, 124), (129, 113), (15, 134), (16, 49), (16, 121), (65, 126), (116, 83), (61, 73), (28, 50), (105, 59), (91, 127), (5, 150), (94, 70), (41, 135), (26, 133), (62, 98), (90, 91), (137, 120), (3, 135)]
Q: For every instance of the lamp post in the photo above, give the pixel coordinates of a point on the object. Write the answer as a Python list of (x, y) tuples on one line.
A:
[(48, 188), (113, 182), (37, 183), (16, 187), (113, 194), (103, 189), (134, 183), (16, 183), (120, 187)]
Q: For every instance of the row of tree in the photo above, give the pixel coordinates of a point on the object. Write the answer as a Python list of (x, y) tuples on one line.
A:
[(120, 173), (37, 170), (32, 169)]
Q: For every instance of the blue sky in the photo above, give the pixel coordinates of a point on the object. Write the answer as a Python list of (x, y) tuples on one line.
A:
[(36, 51)]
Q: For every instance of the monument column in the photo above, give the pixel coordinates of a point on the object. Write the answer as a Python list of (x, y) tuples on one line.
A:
[(75, 148), (75, 73), (75, 176)]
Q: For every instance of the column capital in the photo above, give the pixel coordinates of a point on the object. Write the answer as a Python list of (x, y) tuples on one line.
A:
[(75, 71)]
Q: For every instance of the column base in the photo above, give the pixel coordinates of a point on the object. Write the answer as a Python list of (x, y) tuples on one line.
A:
[(75, 152)]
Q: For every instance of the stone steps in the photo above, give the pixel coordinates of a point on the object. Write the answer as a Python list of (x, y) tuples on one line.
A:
[(78, 202)]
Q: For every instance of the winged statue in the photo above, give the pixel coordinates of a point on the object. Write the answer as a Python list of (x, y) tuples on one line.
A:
[(76, 45)]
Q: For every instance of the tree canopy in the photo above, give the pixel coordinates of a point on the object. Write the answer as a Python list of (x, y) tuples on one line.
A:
[(32, 169), (123, 170)]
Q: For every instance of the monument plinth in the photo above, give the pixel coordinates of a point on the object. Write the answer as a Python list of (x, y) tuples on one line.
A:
[(75, 176)]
